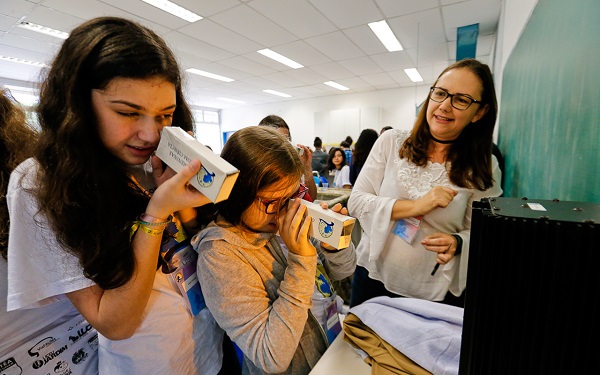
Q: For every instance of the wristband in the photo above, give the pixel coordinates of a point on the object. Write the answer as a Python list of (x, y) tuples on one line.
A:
[(152, 221), (153, 231), (459, 243)]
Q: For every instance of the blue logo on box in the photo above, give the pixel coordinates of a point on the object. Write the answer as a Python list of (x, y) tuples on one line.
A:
[(325, 228), (207, 179)]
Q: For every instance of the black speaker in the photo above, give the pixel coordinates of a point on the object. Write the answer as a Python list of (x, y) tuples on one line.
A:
[(531, 305)]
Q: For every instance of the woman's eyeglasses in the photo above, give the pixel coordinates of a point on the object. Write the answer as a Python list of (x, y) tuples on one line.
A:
[(273, 206), (458, 101)]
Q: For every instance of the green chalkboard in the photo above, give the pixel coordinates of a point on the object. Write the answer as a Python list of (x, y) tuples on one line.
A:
[(549, 130)]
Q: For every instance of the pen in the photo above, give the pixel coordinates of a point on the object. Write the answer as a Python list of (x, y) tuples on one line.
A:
[(435, 268)]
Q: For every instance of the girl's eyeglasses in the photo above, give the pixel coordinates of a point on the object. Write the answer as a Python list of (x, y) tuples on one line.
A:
[(273, 206)]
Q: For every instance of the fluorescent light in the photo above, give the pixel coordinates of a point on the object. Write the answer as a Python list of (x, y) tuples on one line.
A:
[(385, 34), (280, 58), (209, 75), (21, 89), (43, 30), (273, 92), (28, 100), (231, 100), (174, 9), (413, 74), (336, 85), (23, 61)]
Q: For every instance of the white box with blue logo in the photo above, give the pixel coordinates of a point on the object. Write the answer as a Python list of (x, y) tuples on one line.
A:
[(216, 176), (330, 227)]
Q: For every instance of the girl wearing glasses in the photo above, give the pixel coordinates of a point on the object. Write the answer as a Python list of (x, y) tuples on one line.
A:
[(417, 187), (256, 264)]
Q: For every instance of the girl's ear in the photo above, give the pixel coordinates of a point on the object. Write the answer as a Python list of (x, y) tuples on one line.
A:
[(480, 113)]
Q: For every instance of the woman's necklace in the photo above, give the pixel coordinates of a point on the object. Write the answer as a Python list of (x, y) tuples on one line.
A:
[(440, 141)]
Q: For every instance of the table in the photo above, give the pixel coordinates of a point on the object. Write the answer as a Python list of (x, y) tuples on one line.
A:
[(341, 358)]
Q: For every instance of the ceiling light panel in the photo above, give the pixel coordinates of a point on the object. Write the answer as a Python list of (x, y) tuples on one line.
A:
[(413, 74), (22, 61), (43, 30), (386, 36), (209, 75), (336, 85), (273, 92), (280, 58), (174, 9)]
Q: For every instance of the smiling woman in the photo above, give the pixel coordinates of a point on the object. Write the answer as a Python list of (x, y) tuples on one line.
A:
[(416, 190)]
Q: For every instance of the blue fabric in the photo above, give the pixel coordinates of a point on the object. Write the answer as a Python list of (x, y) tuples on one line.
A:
[(427, 332)]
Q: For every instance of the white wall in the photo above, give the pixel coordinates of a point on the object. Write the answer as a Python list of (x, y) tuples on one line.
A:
[(396, 108)]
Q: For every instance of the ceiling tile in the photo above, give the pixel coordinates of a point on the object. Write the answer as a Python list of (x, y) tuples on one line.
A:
[(336, 46), (293, 15), (338, 11), (254, 26)]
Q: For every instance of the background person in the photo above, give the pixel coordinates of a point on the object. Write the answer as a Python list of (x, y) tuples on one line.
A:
[(306, 157), (362, 148), (89, 210), (319, 158), (430, 176), (385, 128), (336, 164)]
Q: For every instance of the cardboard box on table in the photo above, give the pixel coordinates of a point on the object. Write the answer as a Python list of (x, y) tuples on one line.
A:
[(216, 176)]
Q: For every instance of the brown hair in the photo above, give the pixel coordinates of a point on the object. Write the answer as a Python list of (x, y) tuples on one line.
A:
[(86, 192), (16, 144), (264, 156), (470, 156)]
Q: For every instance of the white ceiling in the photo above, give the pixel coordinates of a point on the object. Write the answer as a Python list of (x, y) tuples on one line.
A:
[(330, 38)]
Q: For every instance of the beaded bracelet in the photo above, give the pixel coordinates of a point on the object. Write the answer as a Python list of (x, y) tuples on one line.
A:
[(155, 222)]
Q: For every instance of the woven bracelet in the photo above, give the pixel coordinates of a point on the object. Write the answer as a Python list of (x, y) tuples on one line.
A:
[(155, 223)]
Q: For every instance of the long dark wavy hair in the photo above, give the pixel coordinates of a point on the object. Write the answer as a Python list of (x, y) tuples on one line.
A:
[(17, 139), (264, 156), (470, 156), (363, 146), (85, 192)]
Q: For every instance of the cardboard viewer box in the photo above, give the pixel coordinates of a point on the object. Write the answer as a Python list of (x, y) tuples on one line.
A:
[(330, 227), (216, 176)]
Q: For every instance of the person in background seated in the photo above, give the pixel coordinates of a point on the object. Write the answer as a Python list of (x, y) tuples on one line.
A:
[(346, 146), (362, 148), (319, 158), (258, 267), (91, 209), (279, 123), (337, 166), (28, 335), (414, 195)]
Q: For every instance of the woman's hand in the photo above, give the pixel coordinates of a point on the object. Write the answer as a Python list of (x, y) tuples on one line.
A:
[(441, 243), (174, 193), (438, 196), (293, 229)]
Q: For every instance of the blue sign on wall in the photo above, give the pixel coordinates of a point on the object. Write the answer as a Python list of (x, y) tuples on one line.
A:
[(466, 41)]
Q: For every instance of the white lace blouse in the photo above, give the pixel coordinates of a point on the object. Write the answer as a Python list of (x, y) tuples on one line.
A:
[(405, 269)]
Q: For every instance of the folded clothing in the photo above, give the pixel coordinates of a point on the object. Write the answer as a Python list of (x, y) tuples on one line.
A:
[(428, 333)]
